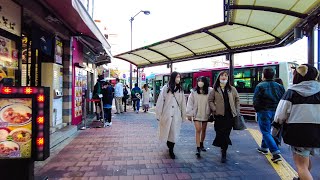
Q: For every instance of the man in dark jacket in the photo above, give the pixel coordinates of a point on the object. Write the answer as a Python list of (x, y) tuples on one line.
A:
[(136, 95), (265, 101), (95, 95), (108, 93)]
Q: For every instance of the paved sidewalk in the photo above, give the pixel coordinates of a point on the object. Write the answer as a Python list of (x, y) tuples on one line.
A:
[(130, 150)]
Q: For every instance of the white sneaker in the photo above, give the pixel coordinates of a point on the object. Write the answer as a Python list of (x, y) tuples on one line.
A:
[(137, 111), (106, 124), (110, 124)]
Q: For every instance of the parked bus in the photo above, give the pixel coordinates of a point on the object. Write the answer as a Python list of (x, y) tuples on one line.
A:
[(246, 78)]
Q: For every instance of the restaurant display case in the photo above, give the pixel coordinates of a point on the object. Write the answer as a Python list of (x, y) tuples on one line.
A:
[(24, 129)]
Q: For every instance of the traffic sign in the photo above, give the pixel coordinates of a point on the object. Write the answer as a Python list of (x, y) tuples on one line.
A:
[(143, 76)]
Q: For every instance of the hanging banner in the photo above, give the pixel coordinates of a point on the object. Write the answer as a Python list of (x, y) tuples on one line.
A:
[(58, 51), (10, 14)]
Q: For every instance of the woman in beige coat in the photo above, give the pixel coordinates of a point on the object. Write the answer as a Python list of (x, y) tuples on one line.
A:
[(224, 103), (170, 111), (198, 110)]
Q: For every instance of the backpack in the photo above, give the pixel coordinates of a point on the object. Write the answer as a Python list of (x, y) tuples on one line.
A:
[(98, 91), (126, 93)]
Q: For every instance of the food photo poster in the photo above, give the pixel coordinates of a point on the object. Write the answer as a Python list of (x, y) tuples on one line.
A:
[(15, 127)]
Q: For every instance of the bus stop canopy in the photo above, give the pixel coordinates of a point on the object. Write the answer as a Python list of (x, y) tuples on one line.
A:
[(248, 25)]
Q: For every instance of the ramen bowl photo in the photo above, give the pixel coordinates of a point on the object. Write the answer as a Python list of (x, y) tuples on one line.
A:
[(21, 135), (16, 114)]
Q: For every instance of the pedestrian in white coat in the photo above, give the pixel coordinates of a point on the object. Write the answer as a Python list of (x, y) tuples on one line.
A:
[(170, 111), (145, 97), (198, 110)]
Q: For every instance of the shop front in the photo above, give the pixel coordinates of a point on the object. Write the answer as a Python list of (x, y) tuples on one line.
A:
[(83, 80), (10, 44)]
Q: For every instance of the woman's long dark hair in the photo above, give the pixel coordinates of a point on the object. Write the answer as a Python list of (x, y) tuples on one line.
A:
[(173, 87), (145, 86), (205, 88), (217, 83)]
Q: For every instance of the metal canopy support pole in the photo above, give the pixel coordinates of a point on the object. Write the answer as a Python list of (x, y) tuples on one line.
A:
[(310, 46), (138, 76), (171, 67), (230, 57), (130, 80)]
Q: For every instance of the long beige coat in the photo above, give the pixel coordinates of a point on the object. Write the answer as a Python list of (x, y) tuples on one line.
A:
[(216, 101), (145, 97), (192, 105), (170, 114)]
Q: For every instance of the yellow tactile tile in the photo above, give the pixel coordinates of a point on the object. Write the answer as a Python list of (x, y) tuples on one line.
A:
[(283, 168)]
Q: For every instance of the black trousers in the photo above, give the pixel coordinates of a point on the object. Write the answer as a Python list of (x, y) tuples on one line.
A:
[(124, 101), (107, 114), (98, 115)]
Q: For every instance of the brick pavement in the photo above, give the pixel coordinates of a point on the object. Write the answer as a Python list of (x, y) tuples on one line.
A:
[(130, 150)]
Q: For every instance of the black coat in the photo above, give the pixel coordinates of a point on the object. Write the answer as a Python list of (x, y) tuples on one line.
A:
[(107, 95)]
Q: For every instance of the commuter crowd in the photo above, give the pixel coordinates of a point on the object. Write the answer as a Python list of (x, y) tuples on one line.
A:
[(121, 94), (291, 115)]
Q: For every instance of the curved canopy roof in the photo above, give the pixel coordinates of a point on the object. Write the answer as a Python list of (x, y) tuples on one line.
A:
[(248, 25)]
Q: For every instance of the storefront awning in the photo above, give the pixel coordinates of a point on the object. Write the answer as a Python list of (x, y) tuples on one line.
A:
[(249, 25), (76, 16)]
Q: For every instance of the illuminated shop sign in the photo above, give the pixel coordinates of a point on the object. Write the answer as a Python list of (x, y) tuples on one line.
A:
[(58, 51), (10, 14), (24, 123)]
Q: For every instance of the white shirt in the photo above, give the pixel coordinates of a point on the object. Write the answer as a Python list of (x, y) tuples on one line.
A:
[(118, 90)]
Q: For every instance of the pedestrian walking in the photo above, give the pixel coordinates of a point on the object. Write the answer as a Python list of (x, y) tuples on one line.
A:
[(171, 111), (136, 95), (107, 92), (266, 97), (96, 95), (198, 110), (145, 98), (299, 112), (118, 94), (224, 103), (125, 97)]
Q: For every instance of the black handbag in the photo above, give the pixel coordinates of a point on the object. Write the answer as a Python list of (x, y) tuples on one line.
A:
[(238, 123), (211, 118)]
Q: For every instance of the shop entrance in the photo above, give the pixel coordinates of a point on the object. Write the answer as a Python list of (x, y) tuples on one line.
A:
[(30, 66)]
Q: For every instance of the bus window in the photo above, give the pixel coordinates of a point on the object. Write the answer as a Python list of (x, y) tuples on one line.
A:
[(244, 79), (291, 67), (166, 79), (158, 86), (186, 84), (260, 70)]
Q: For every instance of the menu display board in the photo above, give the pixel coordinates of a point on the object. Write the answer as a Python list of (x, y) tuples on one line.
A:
[(15, 127), (8, 59), (78, 92)]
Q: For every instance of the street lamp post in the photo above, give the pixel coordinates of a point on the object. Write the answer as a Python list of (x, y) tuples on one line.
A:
[(131, 19)]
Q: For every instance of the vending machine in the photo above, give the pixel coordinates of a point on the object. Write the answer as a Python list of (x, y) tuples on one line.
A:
[(24, 130), (52, 76)]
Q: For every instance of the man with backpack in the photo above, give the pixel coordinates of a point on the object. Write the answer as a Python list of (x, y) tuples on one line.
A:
[(136, 95), (125, 97)]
